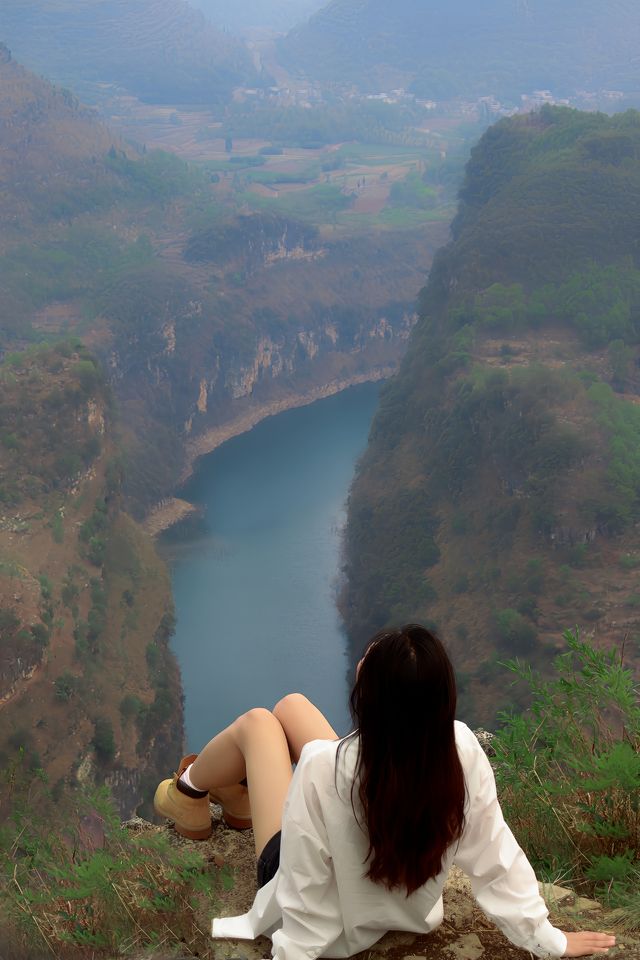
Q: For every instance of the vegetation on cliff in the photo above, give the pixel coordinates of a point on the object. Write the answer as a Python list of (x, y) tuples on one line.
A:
[(568, 773), (568, 777), (78, 883), (501, 488), (88, 687)]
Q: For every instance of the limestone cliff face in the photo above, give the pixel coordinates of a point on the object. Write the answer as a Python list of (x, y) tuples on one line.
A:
[(276, 359), (271, 315), (250, 242)]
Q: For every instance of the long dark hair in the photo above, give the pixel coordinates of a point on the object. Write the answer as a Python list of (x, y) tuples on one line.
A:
[(409, 778)]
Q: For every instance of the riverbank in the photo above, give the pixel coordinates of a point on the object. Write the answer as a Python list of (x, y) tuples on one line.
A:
[(166, 514), (173, 510)]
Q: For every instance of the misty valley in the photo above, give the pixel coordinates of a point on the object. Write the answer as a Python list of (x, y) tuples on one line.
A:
[(316, 318)]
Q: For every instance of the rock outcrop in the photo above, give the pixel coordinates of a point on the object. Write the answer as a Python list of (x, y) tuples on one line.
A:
[(465, 934)]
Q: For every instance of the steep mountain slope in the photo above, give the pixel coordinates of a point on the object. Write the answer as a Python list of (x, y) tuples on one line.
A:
[(158, 50), (500, 493), (88, 686), (446, 48), (53, 151)]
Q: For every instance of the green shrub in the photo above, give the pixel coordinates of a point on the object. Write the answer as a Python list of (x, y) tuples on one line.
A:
[(103, 741), (96, 550), (516, 634), (112, 892), (568, 771), (528, 607), (10, 441), (96, 523), (57, 527), (577, 555), (40, 634), (153, 656), (46, 587), (65, 686), (80, 637), (87, 373), (70, 591), (130, 706)]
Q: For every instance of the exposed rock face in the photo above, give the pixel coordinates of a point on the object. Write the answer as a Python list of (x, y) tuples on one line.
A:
[(251, 241), (255, 312)]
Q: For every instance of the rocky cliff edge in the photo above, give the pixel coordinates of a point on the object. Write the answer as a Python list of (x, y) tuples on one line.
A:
[(465, 934)]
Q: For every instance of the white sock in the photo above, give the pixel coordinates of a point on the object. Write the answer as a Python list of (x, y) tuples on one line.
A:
[(186, 779)]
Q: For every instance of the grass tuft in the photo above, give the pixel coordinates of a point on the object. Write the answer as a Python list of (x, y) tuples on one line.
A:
[(75, 882)]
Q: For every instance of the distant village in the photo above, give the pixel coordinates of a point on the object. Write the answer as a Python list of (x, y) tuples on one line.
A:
[(308, 95)]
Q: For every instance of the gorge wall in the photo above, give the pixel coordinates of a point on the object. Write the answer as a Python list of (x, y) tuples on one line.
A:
[(290, 318), (499, 497), (88, 686)]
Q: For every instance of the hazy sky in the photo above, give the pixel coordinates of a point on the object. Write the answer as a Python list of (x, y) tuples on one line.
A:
[(239, 15)]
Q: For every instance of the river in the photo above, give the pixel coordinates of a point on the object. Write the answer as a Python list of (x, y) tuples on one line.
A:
[(255, 591)]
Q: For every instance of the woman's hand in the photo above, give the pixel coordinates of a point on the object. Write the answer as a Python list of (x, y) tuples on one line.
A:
[(585, 943)]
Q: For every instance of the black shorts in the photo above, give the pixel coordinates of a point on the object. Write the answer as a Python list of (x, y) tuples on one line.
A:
[(269, 859)]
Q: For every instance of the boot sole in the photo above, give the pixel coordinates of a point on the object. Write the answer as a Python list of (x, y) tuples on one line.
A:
[(231, 820), (236, 823), (203, 833)]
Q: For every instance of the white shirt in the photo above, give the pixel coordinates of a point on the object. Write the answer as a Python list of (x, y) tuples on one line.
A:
[(320, 904)]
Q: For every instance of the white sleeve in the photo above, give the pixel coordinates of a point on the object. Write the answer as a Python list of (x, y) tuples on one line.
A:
[(307, 892), (502, 879)]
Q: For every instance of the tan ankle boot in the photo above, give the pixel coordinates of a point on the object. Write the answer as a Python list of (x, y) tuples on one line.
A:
[(191, 815), (236, 808)]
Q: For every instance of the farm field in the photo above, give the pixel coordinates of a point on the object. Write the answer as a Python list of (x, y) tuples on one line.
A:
[(347, 187)]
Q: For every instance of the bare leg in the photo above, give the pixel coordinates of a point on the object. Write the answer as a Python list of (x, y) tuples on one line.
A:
[(254, 746), (302, 721)]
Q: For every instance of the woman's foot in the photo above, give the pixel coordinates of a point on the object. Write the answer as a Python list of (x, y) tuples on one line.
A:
[(236, 808), (188, 808)]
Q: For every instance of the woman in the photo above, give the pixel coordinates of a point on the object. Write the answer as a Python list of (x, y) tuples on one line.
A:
[(359, 841)]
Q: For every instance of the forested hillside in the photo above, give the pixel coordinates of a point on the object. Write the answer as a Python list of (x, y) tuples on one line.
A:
[(157, 50), (500, 493), (447, 48)]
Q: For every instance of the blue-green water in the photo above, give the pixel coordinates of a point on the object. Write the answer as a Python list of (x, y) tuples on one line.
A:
[(256, 593)]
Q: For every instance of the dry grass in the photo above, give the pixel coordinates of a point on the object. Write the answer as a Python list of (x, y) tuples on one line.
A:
[(74, 882)]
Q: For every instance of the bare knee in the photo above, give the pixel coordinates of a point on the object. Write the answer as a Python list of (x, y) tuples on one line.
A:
[(289, 704), (253, 721)]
